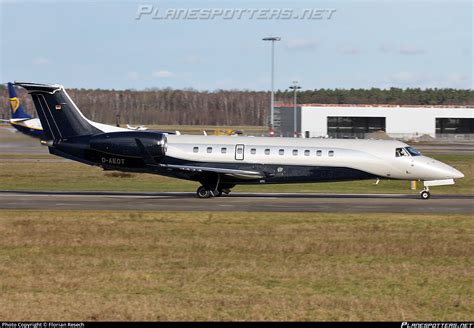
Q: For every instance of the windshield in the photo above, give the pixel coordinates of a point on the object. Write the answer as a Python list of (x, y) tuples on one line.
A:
[(413, 151)]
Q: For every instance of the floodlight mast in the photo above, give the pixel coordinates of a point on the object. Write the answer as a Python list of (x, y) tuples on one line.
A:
[(295, 88), (272, 100)]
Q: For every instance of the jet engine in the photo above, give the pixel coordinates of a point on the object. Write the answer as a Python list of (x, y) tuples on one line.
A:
[(126, 144)]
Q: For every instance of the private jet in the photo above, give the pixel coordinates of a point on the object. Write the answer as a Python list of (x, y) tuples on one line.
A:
[(219, 163)]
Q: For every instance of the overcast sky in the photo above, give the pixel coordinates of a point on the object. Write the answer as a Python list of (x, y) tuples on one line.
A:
[(361, 45)]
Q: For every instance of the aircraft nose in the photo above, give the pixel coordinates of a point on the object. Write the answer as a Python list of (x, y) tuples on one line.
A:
[(449, 171), (456, 174), (439, 170)]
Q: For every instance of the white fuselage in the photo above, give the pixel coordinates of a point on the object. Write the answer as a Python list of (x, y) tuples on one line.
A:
[(377, 157)]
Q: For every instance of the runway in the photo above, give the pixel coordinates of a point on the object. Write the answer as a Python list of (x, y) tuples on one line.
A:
[(248, 202)]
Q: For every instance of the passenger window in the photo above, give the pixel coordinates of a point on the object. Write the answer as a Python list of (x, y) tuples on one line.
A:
[(253, 151), (306, 152), (331, 153), (195, 149), (209, 150), (295, 152), (267, 151), (281, 152), (319, 153), (223, 150)]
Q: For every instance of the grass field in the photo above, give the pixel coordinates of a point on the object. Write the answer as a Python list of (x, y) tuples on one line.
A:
[(87, 265), (45, 172)]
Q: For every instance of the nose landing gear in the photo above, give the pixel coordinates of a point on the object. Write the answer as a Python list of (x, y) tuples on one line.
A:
[(425, 193)]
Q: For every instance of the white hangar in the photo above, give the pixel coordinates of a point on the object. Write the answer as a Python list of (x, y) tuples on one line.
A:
[(356, 121)]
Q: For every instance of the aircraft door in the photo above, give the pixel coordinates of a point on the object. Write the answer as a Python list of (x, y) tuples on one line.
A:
[(239, 152)]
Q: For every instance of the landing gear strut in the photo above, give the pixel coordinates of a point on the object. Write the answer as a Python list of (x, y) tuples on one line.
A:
[(425, 193)]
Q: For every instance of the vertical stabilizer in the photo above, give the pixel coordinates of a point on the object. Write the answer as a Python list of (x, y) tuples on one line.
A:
[(59, 116), (15, 105)]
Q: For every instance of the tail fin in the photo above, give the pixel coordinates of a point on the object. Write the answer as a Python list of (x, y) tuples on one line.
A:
[(59, 116), (15, 106)]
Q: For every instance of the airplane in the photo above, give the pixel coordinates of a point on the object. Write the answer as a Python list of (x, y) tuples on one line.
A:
[(20, 120), (219, 163)]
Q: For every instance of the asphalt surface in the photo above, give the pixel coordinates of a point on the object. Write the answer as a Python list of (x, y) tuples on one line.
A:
[(255, 202)]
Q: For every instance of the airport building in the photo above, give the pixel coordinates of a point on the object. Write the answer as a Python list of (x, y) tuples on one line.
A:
[(358, 121)]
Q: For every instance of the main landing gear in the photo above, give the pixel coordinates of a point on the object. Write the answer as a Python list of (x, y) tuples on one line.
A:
[(425, 193), (203, 192), (212, 187)]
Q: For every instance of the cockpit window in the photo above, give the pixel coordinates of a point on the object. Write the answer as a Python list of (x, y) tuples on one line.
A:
[(400, 152), (413, 151)]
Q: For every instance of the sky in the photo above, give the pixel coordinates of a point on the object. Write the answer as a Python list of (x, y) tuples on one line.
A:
[(346, 44)]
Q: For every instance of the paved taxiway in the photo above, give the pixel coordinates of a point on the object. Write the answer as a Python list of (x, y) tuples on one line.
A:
[(171, 201)]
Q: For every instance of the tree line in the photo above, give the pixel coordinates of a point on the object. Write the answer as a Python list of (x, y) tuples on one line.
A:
[(392, 96), (226, 107)]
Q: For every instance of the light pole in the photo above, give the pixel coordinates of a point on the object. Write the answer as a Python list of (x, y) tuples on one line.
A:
[(272, 39), (295, 87)]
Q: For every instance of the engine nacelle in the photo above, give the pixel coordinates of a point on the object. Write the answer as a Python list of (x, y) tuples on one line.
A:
[(125, 144)]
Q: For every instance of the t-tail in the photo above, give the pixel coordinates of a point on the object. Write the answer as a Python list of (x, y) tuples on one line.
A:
[(16, 108), (60, 117)]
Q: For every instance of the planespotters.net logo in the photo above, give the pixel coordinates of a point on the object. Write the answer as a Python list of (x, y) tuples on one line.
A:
[(437, 325), (156, 13)]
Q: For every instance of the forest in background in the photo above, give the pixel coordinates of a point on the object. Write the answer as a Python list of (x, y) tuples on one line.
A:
[(226, 107)]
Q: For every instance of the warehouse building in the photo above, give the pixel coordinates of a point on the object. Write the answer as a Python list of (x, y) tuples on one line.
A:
[(360, 121)]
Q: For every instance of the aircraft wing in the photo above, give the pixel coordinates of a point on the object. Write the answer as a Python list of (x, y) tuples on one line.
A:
[(241, 174)]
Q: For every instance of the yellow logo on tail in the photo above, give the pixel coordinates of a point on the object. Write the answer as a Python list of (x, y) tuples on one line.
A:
[(15, 103)]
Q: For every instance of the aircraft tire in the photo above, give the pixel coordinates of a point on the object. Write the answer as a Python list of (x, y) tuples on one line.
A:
[(203, 192), (425, 194)]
